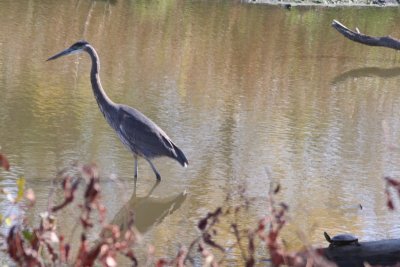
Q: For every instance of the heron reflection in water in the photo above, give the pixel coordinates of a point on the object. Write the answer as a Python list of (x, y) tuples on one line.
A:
[(137, 132), (148, 211)]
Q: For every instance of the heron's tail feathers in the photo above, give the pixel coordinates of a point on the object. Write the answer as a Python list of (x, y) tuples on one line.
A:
[(180, 157)]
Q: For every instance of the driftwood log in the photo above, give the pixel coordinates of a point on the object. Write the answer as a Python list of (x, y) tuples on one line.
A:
[(375, 253), (357, 36)]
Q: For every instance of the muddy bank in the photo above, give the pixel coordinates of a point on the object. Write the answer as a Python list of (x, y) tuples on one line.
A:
[(329, 3)]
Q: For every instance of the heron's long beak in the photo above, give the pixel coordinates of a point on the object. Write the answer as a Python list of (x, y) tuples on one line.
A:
[(67, 51)]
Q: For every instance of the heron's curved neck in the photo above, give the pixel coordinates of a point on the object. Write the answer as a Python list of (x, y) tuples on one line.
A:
[(104, 102)]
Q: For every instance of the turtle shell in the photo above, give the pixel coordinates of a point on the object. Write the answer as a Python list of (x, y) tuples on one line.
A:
[(343, 239)]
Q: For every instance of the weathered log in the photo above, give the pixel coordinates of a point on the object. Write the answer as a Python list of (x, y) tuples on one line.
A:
[(357, 36), (375, 253)]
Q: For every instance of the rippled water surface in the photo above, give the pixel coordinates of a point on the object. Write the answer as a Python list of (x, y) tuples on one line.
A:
[(253, 94)]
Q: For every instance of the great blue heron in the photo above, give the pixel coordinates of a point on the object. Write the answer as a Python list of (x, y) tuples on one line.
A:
[(137, 132)]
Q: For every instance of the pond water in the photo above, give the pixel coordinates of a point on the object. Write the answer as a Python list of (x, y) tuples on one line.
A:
[(253, 94)]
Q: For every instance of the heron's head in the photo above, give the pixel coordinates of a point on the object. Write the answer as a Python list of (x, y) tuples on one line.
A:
[(73, 49)]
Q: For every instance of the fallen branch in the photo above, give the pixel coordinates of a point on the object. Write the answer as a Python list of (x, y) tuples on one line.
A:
[(357, 36)]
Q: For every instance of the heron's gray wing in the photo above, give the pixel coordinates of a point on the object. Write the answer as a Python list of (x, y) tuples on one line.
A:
[(142, 135)]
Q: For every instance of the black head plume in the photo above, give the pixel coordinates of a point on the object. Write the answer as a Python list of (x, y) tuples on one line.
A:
[(73, 49), (78, 45)]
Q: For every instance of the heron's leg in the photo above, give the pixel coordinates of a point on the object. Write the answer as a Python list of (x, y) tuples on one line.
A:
[(136, 166), (154, 170), (134, 187)]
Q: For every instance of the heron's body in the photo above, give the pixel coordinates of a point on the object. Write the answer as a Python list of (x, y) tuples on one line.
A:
[(137, 132)]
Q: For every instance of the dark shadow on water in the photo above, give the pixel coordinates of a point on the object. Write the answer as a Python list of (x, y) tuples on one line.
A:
[(147, 211), (111, 2), (366, 72)]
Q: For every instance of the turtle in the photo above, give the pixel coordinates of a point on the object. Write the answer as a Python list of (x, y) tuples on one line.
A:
[(341, 240)]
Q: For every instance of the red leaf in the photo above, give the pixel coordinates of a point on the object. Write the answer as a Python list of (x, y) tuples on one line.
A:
[(132, 257), (390, 204), (67, 250), (161, 263), (69, 192), (250, 262), (392, 182), (207, 239), (284, 206), (202, 224), (277, 258), (4, 162), (277, 189), (15, 245)]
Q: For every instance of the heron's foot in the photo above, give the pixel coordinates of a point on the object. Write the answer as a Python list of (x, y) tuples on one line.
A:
[(136, 166), (154, 169)]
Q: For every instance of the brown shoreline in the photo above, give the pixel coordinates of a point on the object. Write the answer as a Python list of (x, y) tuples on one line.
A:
[(330, 3)]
